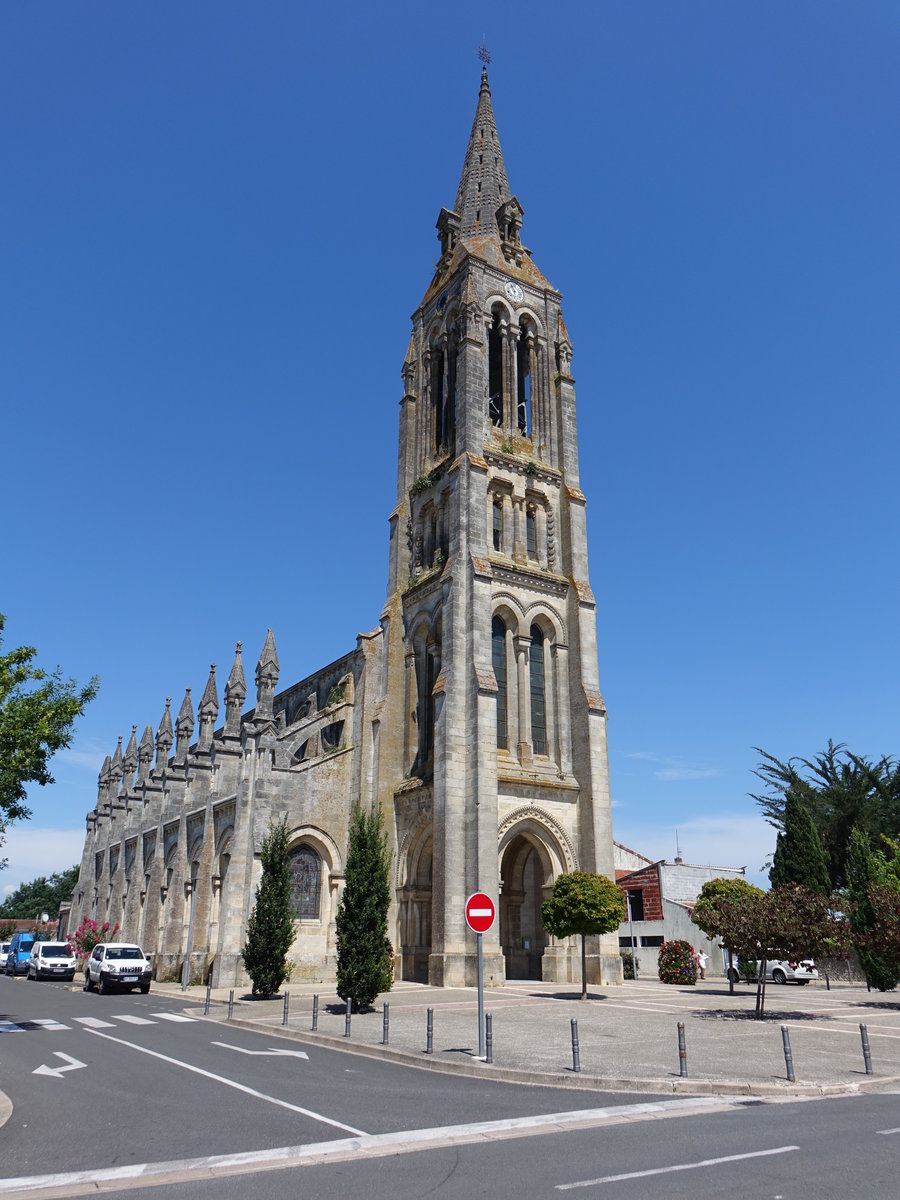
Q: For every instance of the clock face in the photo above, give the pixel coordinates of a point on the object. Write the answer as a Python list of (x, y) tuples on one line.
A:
[(514, 291)]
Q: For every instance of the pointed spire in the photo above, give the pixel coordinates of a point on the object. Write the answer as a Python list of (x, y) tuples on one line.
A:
[(129, 762), (483, 185), (115, 766), (209, 710), (267, 670), (164, 737), (235, 695), (209, 701), (131, 753), (145, 754), (103, 784), (184, 727)]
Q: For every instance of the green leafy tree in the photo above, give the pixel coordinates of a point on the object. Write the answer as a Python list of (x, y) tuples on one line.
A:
[(585, 904), (38, 710), (40, 895), (271, 928), (840, 790), (364, 953), (870, 873), (879, 944), (785, 923), (709, 917), (799, 857)]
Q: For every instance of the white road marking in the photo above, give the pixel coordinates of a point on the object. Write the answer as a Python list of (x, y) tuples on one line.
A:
[(94, 1023), (232, 1083), (706, 1162), (348, 1149), (49, 1023), (172, 1017), (271, 1052), (887, 1131), (132, 1020), (58, 1072), (10, 1027)]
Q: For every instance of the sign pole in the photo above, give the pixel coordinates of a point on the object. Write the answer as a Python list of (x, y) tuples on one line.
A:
[(481, 912), (480, 998)]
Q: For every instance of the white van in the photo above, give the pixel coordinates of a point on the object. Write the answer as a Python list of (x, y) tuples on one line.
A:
[(51, 960)]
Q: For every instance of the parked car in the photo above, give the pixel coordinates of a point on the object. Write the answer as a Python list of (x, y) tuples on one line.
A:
[(4, 951), (19, 954), (780, 971), (117, 965), (51, 960)]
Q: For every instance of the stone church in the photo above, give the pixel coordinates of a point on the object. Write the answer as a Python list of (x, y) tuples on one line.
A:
[(472, 714)]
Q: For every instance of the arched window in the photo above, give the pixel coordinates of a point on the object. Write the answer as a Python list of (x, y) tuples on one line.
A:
[(531, 532), (498, 525), (437, 391), (306, 874), (495, 373), (498, 659), (523, 378), (538, 692)]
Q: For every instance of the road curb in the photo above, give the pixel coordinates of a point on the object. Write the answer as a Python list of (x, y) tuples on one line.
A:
[(474, 1068)]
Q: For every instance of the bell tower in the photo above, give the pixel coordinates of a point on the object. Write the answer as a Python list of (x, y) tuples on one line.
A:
[(490, 755)]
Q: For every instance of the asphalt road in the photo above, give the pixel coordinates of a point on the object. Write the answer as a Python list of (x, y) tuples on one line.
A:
[(103, 1084)]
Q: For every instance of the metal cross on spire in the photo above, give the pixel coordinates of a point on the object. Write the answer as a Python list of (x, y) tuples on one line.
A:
[(483, 53)]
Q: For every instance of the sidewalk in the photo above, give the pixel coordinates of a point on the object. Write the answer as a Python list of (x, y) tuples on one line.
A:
[(628, 1036)]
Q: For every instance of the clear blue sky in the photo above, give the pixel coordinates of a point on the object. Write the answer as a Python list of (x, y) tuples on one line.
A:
[(215, 221)]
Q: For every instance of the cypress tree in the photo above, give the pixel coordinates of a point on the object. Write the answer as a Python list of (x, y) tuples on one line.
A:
[(862, 872), (363, 948), (271, 928), (799, 857)]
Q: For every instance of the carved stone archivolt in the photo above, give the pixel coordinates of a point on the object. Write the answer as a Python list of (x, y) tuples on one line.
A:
[(531, 814)]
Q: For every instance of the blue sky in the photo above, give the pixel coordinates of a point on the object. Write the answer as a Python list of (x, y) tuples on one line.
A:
[(215, 222)]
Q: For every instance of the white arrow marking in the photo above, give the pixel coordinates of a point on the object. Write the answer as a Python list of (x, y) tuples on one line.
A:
[(271, 1052), (57, 1072)]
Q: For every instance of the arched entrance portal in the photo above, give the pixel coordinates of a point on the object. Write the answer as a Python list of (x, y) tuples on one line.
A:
[(524, 871), (415, 912)]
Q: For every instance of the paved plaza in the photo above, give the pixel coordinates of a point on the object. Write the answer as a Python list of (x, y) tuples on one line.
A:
[(627, 1036)]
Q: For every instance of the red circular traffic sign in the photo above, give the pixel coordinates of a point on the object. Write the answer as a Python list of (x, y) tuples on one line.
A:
[(480, 912)]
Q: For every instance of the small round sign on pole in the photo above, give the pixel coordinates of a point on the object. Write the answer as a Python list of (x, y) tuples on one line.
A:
[(480, 912)]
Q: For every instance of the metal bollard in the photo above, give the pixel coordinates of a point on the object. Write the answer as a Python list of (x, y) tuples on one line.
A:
[(386, 1025), (315, 1017), (488, 1037), (867, 1053), (206, 1005), (231, 1004), (429, 1031), (576, 1053), (287, 1004), (682, 1051), (788, 1057), (347, 1018)]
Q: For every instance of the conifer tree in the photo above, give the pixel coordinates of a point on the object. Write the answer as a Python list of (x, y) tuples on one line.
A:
[(799, 857), (363, 949), (271, 928), (863, 874)]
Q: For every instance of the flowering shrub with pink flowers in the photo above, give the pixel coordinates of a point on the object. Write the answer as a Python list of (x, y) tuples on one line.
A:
[(89, 933), (677, 963)]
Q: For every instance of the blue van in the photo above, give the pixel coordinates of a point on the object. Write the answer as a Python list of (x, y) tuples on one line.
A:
[(19, 955)]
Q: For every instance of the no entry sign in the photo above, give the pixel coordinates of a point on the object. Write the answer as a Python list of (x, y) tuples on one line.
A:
[(480, 912)]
